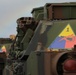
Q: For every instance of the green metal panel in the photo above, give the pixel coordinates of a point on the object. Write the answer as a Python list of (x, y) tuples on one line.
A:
[(69, 11), (56, 29), (41, 62), (34, 41), (66, 12), (32, 65), (73, 12), (38, 12), (25, 41)]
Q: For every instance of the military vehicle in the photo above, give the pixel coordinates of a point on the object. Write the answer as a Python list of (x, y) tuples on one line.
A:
[(3, 54), (45, 44)]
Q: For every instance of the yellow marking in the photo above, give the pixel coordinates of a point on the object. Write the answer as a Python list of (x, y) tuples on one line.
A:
[(67, 31), (3, 49)]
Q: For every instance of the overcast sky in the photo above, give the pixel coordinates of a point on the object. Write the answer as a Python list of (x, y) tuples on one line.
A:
[(11, 10)]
